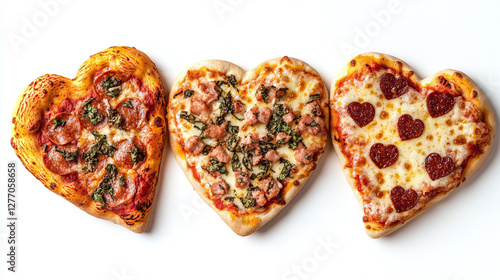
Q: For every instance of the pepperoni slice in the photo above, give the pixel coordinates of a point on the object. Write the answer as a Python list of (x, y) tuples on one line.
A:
[(92, 113), (402, 199), (63, 128), (55, 161), (110, 80), (384, 156), (362, 114), (439, 104), (437, 166), (133, 113), (409, 128), (127, 151), (123, 191), (392, 87)]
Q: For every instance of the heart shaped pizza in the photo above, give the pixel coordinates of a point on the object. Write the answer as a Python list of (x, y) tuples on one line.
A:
[(97, 139), (406, 143), (248, 141)]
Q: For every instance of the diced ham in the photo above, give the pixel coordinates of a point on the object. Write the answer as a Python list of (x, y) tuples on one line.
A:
[(194, 145), (304, 155), (251, 142), (210, 94), (271, 92), (272, 156), (199, 107), (283, 136), (220, 154), (311, 125), (216, 132), (256, 160), (280, 93), (265, 115), (260, 197), (314, 107), (251, 116), (239, 107), (288, 118), (271, 187), (219, 188), (256, 115), (242, 179)]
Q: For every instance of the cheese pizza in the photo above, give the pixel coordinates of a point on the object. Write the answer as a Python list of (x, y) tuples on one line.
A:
[(406, 143)]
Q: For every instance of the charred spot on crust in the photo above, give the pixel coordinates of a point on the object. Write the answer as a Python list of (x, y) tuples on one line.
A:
[(353, 62), (459, 75), (157, 95), (14, 120), (400, 64), (442, 80), (52, 186), (143, 206), (336, 139), (474, 94), (158, 122)]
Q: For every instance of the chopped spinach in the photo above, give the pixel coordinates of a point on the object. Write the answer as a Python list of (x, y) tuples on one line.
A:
[(263, 92), (188, 93), (286, 171), (91, 113), (216, 166), (102, 147), (136, 154), (232, 142), (106, 185), (247, 161), (115, 119), (187, 116), (235, 162), (111, 86), (122, 181), (69, 156), (248, 201), (128, 104), (206, 150), (229, 198), (58, 123), (313, 98)]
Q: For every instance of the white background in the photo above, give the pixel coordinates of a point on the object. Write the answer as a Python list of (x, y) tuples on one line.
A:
[(317, 236)]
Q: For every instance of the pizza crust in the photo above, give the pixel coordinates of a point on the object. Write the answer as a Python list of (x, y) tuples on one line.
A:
[(53, 89), (460, 79), (249, 223)]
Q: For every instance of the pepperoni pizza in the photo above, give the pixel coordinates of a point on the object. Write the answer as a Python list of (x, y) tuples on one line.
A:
[(248, 141), (97, 140), (406, 143)]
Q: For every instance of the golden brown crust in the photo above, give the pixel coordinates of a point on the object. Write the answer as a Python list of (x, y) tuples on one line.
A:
[(50, 90), (248, 223), (462, 84)]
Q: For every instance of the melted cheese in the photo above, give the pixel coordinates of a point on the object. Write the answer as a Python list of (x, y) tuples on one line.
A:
[(301, 86), (444, 135)]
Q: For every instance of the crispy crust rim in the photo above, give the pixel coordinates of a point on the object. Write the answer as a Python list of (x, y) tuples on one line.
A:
[(249, 223), (461, 80), (46, 89)]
